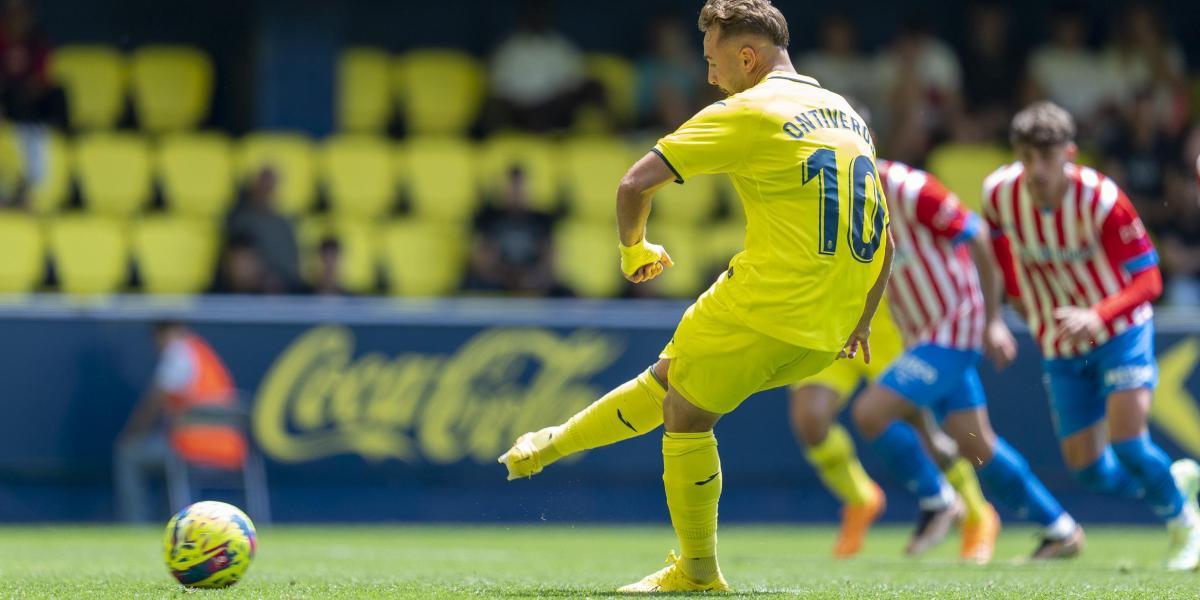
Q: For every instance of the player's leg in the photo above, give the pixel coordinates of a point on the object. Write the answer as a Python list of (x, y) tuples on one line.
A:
[(631, 409), (814, 406), (880, 414), (1004, 472), (981, 524)]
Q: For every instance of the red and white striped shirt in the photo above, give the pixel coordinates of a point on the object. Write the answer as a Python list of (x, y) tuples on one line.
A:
[(1078, 255), (934, 291)]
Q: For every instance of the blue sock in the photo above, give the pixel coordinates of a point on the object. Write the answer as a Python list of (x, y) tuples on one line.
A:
[(904, 456), (1008, 479), (1150, 465), (1108, 476)]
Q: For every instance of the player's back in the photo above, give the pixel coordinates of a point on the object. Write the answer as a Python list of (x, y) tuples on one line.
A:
[(803, 164)]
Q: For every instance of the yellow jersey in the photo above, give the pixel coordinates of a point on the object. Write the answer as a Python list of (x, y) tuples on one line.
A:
[(803, 164)]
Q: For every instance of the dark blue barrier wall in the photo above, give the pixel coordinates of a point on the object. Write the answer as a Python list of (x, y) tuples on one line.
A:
[(378, 410)]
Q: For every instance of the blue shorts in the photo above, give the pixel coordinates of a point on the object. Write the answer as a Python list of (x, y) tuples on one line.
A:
[(1079, 387), (942, 379)]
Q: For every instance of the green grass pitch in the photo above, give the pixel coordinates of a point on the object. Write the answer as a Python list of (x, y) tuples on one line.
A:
[(526, 561)]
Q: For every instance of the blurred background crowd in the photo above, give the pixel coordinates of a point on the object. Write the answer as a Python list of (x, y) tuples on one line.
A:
[(488, 166)]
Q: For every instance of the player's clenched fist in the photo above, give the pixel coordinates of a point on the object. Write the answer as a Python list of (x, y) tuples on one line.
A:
[(643, 261)]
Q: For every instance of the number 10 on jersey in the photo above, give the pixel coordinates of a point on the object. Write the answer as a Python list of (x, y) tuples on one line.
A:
[(822, 166)]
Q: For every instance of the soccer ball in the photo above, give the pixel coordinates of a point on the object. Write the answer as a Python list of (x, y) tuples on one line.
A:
[(209, 545)]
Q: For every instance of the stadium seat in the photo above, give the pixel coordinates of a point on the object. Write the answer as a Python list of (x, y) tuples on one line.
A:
[(24, 253), (691, 203), (721, 241), (576, 246), (591, 170), (441, 174), (291, 155), (359, 176), (91, 254), (440, 91), (423, 258), (689, 276), (114, 172), (619, 79), (196, 173), (49, 194), (534, 155), (94, 79), (172, 87), (364, 101), (175, 255), (357, 240), (963, 167)]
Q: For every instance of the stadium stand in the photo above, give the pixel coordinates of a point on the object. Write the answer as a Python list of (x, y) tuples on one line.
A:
[(172, 87), (441, 174), (195, 171), (95, 79), (291, 155), (364, 100), (174, 255), (114, 172), (24, 253), (90, 253), (440, 91), (357, 171), (422, 258)]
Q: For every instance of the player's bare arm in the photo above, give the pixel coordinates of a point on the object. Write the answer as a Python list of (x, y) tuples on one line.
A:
[(862, 332), (998, 342), (640, 260)]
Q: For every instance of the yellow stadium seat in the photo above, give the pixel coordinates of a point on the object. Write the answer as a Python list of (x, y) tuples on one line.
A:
[(577, 244), (691, 203), (51, 192), (91, 254), (619, 79), (722, 240), (423, 258), (536, 158), (364, 101), (690, 274), (114, 172), (963, 167), (359, 175), (357, 241), (175, 255), (172, 87), (591, 171), (441, 173), (196, 172), (440, 91), (291, 155), (24, 253), (94, 79)]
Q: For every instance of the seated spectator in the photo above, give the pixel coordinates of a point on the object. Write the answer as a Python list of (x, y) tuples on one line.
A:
[(187, 414), (243, 271), (512, 251), (1070, 73), (28, 98), (256, 222), (1138, 156), (670, 79), (538, 78), (838, 64), (1179, 237), (920, 81), (328, 278), (992, 66), (1142, 56)]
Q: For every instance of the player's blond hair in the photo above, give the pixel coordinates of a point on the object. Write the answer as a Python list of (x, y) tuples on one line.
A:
[(758, 17), (1042, 124)]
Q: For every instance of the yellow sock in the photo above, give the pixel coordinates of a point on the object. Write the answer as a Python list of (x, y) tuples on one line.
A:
[(962, 476), (632, 408), (692, 479), (838, 466)]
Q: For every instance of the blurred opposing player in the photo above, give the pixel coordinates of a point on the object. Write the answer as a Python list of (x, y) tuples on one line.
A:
[(804, 289), (1080, 267), (945, 296)]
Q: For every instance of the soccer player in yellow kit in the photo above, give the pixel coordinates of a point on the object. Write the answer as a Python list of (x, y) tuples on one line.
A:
[(803, 291)]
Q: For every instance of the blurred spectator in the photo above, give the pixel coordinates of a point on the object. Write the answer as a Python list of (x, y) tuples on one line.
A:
[(1143, 57), (992, 71), (256, 222), (1070, 73), (920, 80), (838, 64), (1138, 156), (185, 415), (1179, 237), (538, 77), (671, 78), (27, 96), (242, 270), (328, 278), (512, 251)]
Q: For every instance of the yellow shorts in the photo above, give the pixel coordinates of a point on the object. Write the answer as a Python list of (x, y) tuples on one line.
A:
[(717, 361), (845, 375)]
